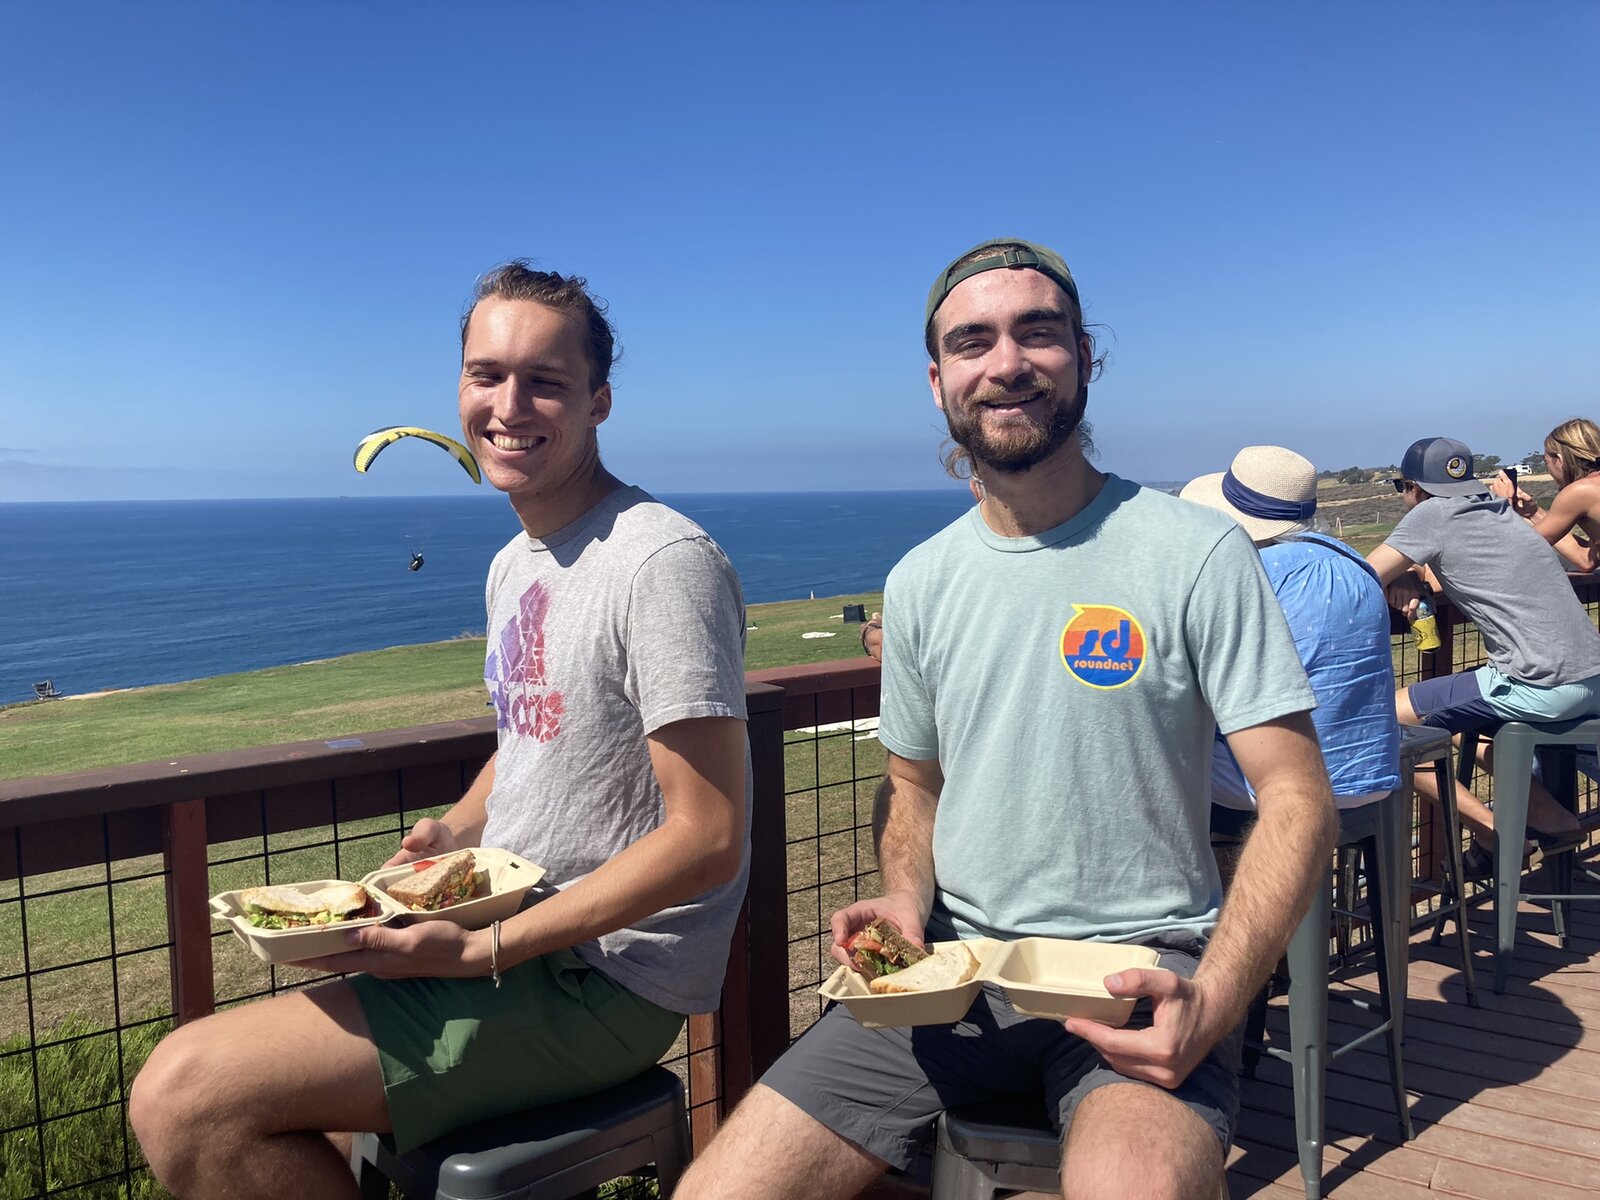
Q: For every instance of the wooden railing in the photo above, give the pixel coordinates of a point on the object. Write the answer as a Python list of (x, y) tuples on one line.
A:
[(66, 839)]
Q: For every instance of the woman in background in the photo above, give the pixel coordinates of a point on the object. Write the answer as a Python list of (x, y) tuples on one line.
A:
[(1572, 453)]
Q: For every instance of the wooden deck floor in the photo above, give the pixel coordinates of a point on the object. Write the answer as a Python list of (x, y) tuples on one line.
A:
[(1505, 1098)]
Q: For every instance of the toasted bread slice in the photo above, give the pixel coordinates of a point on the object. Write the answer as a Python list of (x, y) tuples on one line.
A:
[(275, 898), (947, 967), (450, 880), (345, 900)]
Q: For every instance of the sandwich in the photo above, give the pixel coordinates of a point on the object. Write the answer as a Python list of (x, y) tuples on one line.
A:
[(947, 967), (438, 883), (278, 907), (880, 950)]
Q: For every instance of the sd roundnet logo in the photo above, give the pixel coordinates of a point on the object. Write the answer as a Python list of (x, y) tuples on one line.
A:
[(1102, 646)]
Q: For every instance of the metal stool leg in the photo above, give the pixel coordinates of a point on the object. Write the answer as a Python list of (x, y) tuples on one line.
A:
[(1389, 902), (1513, 767), (1561, 868), (670, 1148), (1455, 880), (1308, 1032)]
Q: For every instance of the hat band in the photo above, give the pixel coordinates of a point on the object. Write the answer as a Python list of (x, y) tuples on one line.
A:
[(1269, 508)]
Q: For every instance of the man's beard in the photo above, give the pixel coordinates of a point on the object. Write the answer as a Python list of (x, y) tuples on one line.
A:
[(1019, 443)]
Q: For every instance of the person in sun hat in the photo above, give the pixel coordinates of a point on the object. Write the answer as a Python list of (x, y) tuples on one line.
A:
[(1338, 617), (1048, 774), (1542, 647)]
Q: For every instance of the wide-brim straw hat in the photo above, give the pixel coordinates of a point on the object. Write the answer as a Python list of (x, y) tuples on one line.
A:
[(1269, 490)]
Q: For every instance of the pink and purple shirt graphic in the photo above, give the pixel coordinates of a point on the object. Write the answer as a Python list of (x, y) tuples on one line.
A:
[(516, 673)]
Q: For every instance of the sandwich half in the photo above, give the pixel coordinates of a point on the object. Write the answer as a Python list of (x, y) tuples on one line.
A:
[(446, 881), (279, 907), (879, 949), (947, 967)]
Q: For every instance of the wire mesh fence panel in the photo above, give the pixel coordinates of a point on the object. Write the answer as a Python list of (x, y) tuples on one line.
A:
[(831, 775)]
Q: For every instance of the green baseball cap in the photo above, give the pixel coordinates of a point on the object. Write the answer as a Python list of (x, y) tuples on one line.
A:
[(1017, 253)]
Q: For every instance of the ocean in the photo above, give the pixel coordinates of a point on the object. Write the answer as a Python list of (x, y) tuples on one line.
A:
[(95, 596)]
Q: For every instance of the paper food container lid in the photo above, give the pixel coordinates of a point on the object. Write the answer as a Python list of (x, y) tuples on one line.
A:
[(1059, 978), (937, 1006), (509, 876), (293, 945)]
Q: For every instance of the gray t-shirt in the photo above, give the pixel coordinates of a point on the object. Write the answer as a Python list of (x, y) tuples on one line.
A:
[(1509, 581), (626, 620), (1069, 685)]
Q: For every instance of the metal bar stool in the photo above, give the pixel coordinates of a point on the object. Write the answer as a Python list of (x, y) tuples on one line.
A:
[(1514, 745), (1382, 833), (1420, 745), (550, 1153), (989, 1150)]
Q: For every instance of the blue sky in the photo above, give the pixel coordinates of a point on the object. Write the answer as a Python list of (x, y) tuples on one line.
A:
[(238, 237)]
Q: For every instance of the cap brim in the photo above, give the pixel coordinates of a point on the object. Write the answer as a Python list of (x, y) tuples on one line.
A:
[(1461, 487), (1207, 490)]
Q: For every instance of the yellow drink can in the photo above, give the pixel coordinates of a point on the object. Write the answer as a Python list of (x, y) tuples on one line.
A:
[(1425, 633)]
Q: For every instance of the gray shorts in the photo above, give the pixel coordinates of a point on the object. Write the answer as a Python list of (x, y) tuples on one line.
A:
[(883, 1089)]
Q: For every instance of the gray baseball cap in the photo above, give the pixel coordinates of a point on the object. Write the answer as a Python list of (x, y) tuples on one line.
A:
[(1441, 466)]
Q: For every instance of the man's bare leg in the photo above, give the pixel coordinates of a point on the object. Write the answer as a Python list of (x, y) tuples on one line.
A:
[(240, 1103), (1475, 814), (1546, 814), (771, 1150), (1131, 1141)]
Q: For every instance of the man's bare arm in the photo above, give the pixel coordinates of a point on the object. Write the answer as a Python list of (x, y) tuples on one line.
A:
[(699, 844), (1283, 861), (1402, 579), (902, 827), (902, 831)]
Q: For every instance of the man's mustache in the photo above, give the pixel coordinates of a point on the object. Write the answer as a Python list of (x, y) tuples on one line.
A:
[(1000, 395)]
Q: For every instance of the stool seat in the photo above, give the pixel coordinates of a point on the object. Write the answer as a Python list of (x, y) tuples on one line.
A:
[(983, 1149), (547, 1153)]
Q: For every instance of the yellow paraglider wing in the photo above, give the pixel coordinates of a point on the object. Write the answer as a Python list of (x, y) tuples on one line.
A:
[(372, 445)]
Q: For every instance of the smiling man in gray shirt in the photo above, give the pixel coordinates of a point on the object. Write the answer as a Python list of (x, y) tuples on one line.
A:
[(615, 666)]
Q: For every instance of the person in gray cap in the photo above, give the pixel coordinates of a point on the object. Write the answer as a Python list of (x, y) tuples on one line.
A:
[(1048, 774), (1543, 650)]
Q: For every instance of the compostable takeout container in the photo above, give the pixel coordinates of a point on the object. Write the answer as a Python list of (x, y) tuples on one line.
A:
[(509, 875), (293, 945), (509, 878), (1042, 977)]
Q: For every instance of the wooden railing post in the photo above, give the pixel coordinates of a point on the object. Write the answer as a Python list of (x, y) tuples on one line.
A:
[(188, 914), (755, 996)]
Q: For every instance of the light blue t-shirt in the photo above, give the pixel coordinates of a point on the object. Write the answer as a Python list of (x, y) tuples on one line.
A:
[(1340, 624), (1068, 684)]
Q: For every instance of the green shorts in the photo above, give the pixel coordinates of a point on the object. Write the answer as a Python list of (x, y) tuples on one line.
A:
[(456, 1051)]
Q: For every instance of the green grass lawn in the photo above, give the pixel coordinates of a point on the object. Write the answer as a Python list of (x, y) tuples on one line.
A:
[(357, 693)]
